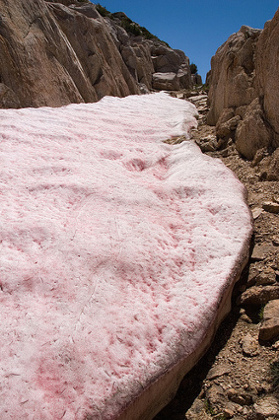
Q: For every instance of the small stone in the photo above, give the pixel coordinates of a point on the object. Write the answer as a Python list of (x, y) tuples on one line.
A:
[(207, 147), (253, 273), (259, 295), (218, 371), (216, 396), (268, 276), (241, 399), (228, 413), (261, 251), (269, 329), (244, 317), (250, 346), (275, 346), (256, 212), (271, 207), (275, 240)]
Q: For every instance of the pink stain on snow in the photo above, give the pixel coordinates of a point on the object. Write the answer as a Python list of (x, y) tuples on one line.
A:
[(115, 251)]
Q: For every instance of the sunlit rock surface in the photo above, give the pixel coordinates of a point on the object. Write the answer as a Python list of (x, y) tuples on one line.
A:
[(116, 252)]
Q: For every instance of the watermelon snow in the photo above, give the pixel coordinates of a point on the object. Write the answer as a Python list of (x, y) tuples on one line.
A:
[(116, 253)]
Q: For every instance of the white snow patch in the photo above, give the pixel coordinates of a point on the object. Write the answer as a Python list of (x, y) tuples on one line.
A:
[(115, 251)]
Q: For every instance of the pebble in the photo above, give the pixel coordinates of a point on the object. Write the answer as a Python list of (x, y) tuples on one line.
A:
[(256, 212), (218, 371), (250, 346)]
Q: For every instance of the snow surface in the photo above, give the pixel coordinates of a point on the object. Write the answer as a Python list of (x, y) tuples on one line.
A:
[(116, 249)]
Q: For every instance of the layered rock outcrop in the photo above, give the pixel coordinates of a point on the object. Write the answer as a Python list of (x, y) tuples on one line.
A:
[(57, 52), (244, 86)]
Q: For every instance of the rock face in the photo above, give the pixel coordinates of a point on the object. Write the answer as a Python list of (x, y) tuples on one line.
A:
[(267, 71), (244, 83), (55, 53), (232, 73), (151, 62)]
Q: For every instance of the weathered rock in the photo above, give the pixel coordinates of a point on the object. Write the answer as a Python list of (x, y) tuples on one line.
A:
[(53, 55), (167, 81), (240, 398), (252, 133), (216, 396), (266, 277), (256, 212), (269, 329), (244, 75), (59, 52), (231, 81), (261, 251), (271, 207), (218, 371), (270, 167), (196, 79), (268, 406), (249, 346), (267, 69), (259, 295), (226, 129), (259, 156), (8, 98)]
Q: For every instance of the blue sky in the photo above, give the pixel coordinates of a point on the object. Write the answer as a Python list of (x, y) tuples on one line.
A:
[(198, 27)]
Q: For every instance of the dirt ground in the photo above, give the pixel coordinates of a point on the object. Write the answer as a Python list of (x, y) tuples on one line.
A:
[(238, 378)]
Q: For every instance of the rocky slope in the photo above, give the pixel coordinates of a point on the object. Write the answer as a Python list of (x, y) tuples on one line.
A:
[(58, 52), (244, 93), (239, 376)]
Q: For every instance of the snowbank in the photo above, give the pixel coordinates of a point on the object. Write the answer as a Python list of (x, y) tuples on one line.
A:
[(116, 250)]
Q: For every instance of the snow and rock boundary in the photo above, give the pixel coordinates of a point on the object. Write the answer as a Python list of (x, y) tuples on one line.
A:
[(117, 252)]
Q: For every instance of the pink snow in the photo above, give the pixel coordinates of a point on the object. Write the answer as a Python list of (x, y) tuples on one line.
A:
[(116, 249)]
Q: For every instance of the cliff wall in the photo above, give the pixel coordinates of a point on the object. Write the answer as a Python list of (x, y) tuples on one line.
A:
[(53, 53), (244, 89)]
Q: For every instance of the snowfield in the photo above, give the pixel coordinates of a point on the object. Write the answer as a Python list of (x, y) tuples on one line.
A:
[(116, 250)]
